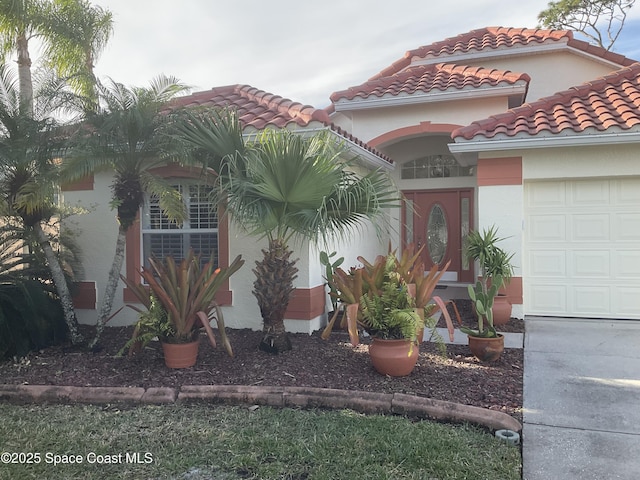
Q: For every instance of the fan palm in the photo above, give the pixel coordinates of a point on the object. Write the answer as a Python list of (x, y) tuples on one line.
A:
[(29, 144), (128, 137), (284, 186)]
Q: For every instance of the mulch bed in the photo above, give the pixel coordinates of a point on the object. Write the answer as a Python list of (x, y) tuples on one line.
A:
[(312, 362)]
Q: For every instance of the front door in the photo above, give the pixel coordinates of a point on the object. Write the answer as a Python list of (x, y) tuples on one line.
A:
[(439, 220)]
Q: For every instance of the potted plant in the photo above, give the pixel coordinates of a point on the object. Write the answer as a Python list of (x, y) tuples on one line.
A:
[(389, 316), (495, 270), (348, 288), (410, 267), (494, 264), (179, 301)]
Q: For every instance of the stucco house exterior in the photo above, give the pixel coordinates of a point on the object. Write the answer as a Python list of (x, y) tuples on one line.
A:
[(530, 130)]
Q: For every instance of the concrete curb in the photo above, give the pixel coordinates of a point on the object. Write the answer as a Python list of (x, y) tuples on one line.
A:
[(303, 397)]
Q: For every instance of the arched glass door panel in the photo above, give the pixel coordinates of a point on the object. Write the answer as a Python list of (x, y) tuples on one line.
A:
[(437, 234)]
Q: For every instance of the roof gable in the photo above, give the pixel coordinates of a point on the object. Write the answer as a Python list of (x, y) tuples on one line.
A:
[(493, 39), (432, 78), (609, 103), (258, 110)]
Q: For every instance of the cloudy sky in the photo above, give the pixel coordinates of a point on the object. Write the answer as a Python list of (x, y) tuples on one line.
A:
[(299, 50)]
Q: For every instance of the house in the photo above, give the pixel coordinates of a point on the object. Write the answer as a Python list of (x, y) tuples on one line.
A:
[(530, 130), (208, 233), (474, 147)]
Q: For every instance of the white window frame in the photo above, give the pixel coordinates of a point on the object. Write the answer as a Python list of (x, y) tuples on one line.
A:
[(184, 230)]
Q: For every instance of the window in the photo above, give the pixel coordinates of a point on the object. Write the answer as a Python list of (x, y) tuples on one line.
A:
[(434, 166), (161, 237)]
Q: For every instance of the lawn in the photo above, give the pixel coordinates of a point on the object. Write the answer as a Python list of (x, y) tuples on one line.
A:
[(215, 442)]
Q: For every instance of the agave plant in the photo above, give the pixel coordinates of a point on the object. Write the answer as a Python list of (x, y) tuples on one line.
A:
[(187, 293)]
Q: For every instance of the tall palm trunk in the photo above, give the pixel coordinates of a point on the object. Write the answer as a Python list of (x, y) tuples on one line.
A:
[(273, 288), (61, 285), (24, 75), (112, 285)]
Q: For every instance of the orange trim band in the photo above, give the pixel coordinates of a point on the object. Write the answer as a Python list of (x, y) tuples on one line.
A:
[(306, 303), (412, 131), (84, 295), (499, 171), (85, 183)]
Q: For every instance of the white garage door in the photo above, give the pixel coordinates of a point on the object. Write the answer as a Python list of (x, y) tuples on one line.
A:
[(582, 248)]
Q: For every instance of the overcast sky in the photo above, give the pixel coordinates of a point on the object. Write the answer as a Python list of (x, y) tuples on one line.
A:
[(300, 50)]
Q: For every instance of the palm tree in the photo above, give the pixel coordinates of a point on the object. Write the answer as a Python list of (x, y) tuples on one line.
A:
[(128, 137), (79, 32), (29, 144), (72, 32), (284, 186)]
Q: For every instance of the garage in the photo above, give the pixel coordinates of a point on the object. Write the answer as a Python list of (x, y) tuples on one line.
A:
[(582, 248)]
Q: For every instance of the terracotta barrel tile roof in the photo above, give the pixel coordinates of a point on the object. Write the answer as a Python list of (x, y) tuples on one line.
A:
[(259, 109), (256, 108), (428, 78), (497, 38), (609, 102), (489, 38)]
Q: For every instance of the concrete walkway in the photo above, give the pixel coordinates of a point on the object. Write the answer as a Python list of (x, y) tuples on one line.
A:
[(581, 399)]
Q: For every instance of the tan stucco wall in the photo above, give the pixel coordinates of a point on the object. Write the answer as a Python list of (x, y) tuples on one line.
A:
[(369, 124), (550, 72)]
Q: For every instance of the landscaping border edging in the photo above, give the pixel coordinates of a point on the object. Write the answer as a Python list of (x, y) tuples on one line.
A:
[(306, 397)]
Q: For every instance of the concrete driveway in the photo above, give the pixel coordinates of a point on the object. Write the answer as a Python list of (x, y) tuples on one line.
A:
[(581, 399)]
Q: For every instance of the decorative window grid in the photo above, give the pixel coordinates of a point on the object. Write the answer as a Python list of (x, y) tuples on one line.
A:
[(162, 237), (434, 166)]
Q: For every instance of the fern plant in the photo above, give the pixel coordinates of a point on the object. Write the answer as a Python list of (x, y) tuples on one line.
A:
[(390, 312)]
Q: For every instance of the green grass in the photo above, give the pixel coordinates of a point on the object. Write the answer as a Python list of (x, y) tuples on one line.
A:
[(215, 442)]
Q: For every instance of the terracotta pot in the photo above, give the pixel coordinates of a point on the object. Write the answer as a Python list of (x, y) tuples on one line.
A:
[(392, 357), (501, 310), (180, 355), (486, 349)]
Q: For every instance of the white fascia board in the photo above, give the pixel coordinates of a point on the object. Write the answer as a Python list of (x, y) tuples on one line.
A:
[(536, 49), (544, 142), (369, 159), (432, 97)]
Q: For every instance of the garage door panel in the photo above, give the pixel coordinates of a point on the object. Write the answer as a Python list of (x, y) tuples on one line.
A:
[(546, 298), (628, 226), (588, 193), (582, 248), (548, 263), (591, 228), (627, 301), (594, 264), (546, 194), (628, 192), (627, 264), (547, 228), (591, 300)]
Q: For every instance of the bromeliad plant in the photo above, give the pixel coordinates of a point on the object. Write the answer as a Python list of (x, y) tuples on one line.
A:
[(185, 295), (370, 285)]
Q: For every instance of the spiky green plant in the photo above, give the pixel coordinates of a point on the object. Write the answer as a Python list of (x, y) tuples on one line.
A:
[(187, 293), (30, 313)]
